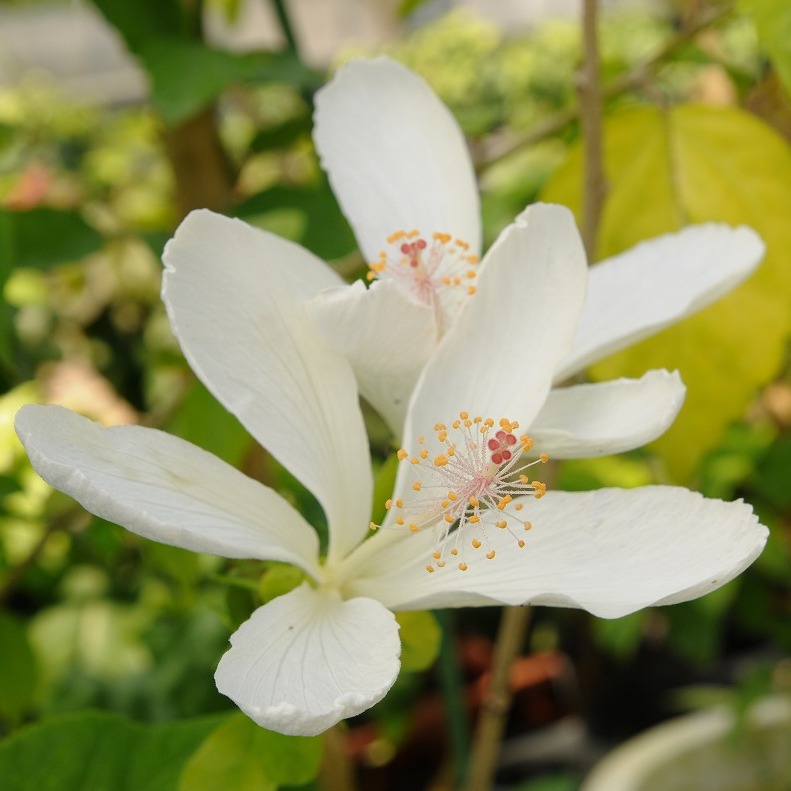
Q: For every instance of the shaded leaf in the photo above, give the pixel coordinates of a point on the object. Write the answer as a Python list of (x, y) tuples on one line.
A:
[(42, 237), (18, 670), (242, 756), (138, 21), (690, 164), (100, 752), (210, 71)]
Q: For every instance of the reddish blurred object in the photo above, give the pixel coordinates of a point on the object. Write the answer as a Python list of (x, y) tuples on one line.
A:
[(30, 189)]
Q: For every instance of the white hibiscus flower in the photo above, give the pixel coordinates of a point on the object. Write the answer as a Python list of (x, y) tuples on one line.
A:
[(329, 649), (398, 164)]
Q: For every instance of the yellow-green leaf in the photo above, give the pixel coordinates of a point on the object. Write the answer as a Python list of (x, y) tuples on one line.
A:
[(420, 639), (240, 755), (690, 164), (772, 20)]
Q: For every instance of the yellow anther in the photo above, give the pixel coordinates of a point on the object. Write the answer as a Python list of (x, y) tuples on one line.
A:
[(477, 419), (473, 259), (490, 555), (402, 454), (528, 525), (541, 489), (388, 504), (430, 569), (464, 415), (451, 451), (544, 458), (445, 503), (467, 423), (514, 425), (519, 506), (456, 281), (413, 527), (440, 427), (441, 461), (449, 518), (442, 436), (394, 237), (473, 520), (454, 552), (504, 501), (414, 460), (412, 234), (461, 243), (470, 273), (424, 454), (488, 422), (370, 275), (399, 503), (442, 238), (456, 423), (400, 520), (445, 281), (436, 555), (520, 543), (452, 496), (527, 442), (473, 501), (524, 480), (476, 543), (373, 526), (441, 563), (462, 567), (502, 524), (417, 486)]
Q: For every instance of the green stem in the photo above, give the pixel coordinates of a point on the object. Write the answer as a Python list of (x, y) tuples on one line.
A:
[(453, 697), (284, 20)]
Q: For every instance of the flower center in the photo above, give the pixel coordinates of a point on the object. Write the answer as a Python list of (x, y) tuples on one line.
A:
[(437, 271), (469, 485)]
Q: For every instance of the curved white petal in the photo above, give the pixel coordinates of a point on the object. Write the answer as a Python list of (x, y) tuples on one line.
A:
[(587, 420), (499, 357), (308, 660), (164, 488), (610, 551), (233, 294), (395, 156), (386, 337), (657, 283)]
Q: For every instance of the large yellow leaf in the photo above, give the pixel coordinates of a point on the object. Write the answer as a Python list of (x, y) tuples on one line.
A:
[(690, 164)]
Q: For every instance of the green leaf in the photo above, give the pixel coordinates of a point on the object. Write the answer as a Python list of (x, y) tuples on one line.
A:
[(40, 238), (211, 71), (202, 420), (773, 22), (100, 752), (18, 670), (282, 134), (139, 21), (240, 755), (326, 232), (278, 579), (690, 164), (420, 639)]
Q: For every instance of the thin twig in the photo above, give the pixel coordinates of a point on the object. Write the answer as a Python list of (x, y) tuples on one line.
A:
[(499, 147), (591, 107), (494, 713), (284, 20)]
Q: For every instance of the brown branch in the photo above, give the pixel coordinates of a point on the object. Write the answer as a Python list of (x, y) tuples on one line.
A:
[(494, 713), (591, 109)]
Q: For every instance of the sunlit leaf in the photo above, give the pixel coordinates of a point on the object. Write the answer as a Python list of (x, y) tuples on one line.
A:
[(420, 639), (100, 752), (690, 164), (278, 579), (242, 756), (773, 22)]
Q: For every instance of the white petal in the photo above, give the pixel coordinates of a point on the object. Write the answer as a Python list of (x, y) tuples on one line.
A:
[(395, 156), (234, 295), (610, 551), (583, 421), (164, 488), (386, 337), (308, 660), (499, 357), (658, 283)]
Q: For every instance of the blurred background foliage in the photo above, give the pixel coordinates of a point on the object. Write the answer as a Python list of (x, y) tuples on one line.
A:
[(107, 636)]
